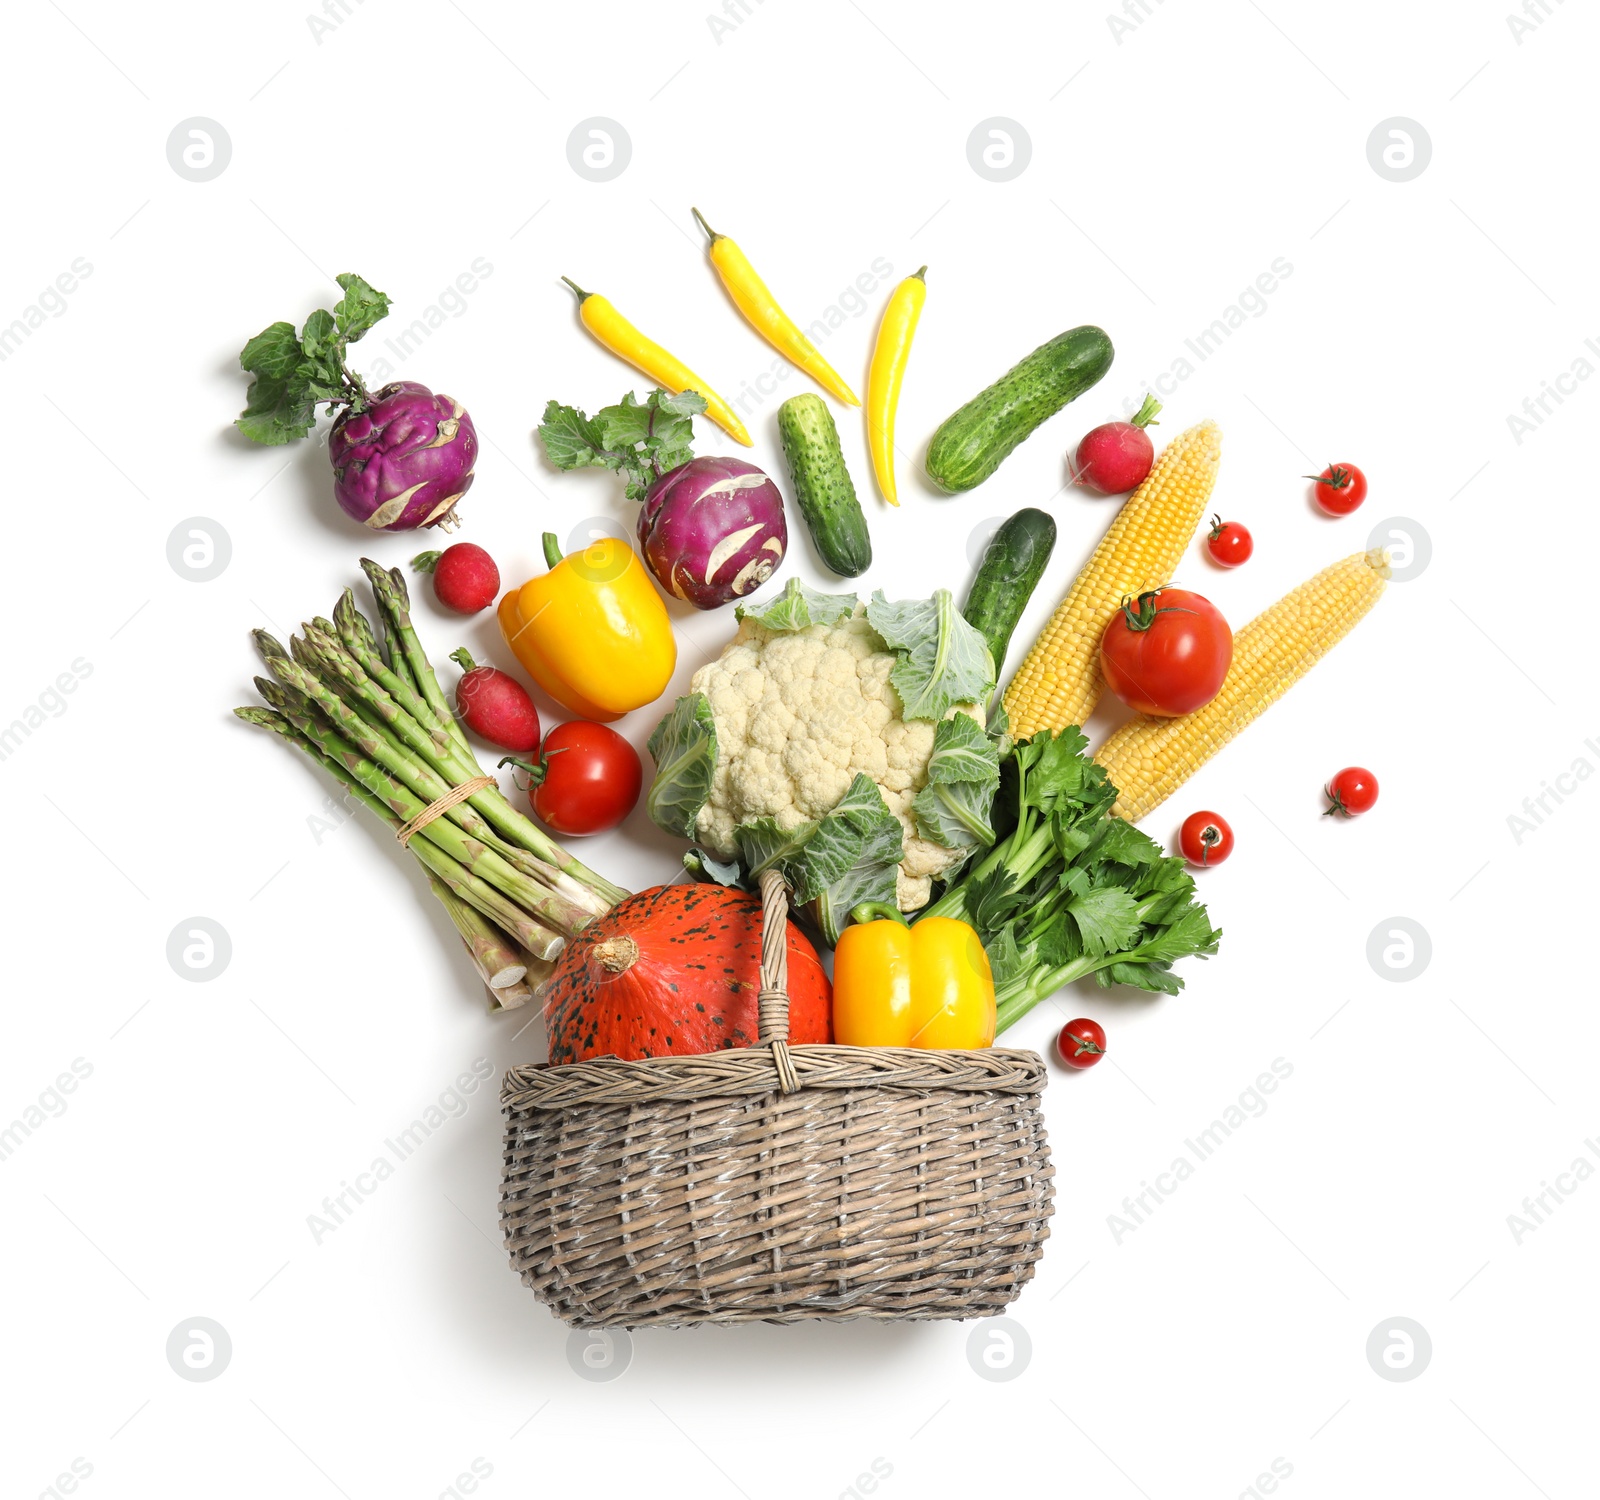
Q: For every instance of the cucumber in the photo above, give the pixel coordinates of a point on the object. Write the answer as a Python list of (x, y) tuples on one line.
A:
[(822, 487), (971, 444), (1012, 566)]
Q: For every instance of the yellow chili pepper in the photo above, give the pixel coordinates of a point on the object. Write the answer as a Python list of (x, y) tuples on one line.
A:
[(924, 986), (592, 632), (889, 357), (618, 335), (761, 311)]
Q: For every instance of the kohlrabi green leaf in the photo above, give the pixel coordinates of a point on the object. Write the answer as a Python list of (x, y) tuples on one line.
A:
[(277, 408), (570, 439), (639, 439), (799, 607), (684, 745), (943, 660), (360, 308), (292, 375)]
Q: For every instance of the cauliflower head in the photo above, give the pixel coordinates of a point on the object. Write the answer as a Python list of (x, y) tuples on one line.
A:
[(799, 714)]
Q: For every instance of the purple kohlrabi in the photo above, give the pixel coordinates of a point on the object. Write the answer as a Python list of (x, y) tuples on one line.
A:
[(712, 530), (404, 460)]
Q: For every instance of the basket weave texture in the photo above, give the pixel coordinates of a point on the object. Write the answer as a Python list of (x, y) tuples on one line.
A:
[(777, 1183)]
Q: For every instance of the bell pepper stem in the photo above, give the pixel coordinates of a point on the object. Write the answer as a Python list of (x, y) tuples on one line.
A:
[(711, 234), (872, 911), (583, 296), (552, 549)]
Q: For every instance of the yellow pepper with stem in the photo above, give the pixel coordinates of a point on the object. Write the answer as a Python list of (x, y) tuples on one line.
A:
[(888, 370), (927, 985), (592, 632), (762, 313), (616, 333)]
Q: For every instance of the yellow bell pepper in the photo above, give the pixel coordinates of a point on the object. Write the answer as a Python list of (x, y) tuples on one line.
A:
[(592, 632), (923, 986)]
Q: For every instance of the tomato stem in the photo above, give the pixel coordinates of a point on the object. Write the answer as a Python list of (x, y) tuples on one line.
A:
[(1146, 617), (537, 770), (1335, 476)]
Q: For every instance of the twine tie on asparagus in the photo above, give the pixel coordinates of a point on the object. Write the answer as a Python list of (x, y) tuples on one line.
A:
[(441, 805)]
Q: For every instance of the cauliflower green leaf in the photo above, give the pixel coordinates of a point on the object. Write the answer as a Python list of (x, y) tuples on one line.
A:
[(963, 752), (684, 745), (943, 660), (963, 773), (798, 607), (833, 863)]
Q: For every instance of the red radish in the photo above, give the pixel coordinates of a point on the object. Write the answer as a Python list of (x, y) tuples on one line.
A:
[(1117, 456), (495, 706), (465, 578)]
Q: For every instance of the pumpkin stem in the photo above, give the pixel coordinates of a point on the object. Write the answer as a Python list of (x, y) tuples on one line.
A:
[(618, 954)]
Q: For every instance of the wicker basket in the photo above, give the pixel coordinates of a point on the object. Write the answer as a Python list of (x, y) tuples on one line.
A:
[(777, 1183)]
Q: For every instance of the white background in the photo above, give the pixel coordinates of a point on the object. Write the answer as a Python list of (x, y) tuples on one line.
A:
[(1169, 168)]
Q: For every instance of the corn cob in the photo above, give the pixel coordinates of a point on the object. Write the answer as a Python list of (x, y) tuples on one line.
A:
[(1149, 759), (1060, 681)]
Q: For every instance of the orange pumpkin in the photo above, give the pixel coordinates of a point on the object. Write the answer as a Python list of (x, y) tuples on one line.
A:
[(676, 970)]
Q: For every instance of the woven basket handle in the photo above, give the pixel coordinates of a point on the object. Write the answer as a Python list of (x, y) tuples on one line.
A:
[(773, 1001)]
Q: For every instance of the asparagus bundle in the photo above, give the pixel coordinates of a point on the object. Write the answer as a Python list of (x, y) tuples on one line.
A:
[(373, 715)]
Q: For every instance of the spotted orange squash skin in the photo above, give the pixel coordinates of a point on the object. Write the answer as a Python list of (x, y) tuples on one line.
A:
[(672, 971)]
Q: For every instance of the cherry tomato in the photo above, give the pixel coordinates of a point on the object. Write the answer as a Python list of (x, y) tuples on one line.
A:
[(1354, 790), (586, 780), (1340, 488), (1082, 1043), (1229, 543), (1205, 839), (1167, 652)]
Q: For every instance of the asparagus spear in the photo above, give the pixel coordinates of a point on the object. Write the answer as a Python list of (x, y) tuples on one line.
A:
[(411, 758), (394, 601), (497, 963), (538, 939), (403, 805)]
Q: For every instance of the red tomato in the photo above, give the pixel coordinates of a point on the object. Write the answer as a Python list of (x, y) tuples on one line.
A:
[(1354, 790), (1340, 488), (586, 780), (1205, 839), (1167, 652), (1082, 1043), (1229, 543)]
